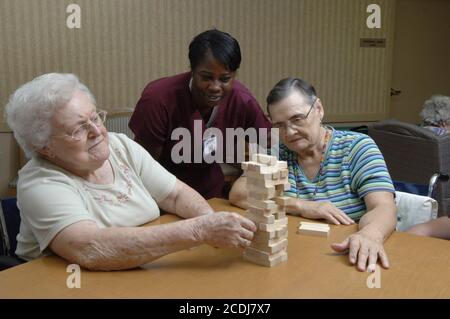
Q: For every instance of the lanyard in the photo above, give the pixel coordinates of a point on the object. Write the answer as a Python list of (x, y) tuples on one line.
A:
[(327, 137)]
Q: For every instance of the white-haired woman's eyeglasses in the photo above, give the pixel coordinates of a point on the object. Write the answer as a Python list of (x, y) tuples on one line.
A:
[(80, 132)]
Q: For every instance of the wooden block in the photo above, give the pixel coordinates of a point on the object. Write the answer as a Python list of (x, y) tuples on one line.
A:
[(259, 168), (259, 218), (262, 204), (313, 232), (261, 211), (283, 173), (268, 160), (283, 180), (280, 214), (261, 235), (282, 200), (265, 259), (259, 176), (258, 196), (282, 164), (276, 176), (279, 190), (256, 183), (258, 192), (279, 259), (273, 176), (265, 182), (317, 225), (256, 253), (277, 225), (281, 232), (269, 248), (250, 166), (273, 241), (253, 166), (321, 230)]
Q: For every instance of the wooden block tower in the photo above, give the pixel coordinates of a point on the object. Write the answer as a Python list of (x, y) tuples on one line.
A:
[(267, 178)]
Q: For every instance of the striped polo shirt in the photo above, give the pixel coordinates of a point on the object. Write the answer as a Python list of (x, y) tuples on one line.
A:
[(353, 166)]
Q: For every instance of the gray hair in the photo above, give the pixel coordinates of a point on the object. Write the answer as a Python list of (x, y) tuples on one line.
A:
[(436, 110), (286, 86), (31, 107)]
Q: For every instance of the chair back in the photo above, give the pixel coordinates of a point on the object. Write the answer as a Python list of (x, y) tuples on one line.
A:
[(118, 122), (10, 225), (413, 154)]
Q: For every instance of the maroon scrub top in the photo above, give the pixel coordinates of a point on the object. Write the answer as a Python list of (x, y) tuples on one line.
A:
[(167, 104)]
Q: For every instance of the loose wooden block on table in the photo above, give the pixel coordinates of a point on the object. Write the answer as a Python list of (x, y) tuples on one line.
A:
[(314, 229)]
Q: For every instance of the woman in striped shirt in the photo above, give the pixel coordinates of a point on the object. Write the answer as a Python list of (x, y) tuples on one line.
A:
[(335, 175)]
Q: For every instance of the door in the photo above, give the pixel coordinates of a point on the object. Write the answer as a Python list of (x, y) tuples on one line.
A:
[(421, 61)]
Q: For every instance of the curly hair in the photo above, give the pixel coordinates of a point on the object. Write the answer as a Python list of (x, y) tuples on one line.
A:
[(32, 105), (436, 110)]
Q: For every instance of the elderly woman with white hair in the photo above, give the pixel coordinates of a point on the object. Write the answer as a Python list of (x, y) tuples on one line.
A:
[(85, 191), (436, 114)]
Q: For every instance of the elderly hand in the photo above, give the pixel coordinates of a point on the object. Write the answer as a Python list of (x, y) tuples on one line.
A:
[(223, 229), (364, 247), (324, 210)]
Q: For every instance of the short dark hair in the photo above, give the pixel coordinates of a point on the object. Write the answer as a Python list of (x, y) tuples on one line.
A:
[(222, 45), (286, 86)]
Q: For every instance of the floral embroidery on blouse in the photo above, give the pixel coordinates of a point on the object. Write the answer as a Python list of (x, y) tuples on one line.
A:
[(122, 196)]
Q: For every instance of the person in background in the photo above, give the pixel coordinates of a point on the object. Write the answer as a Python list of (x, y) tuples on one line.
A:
[(85, 191), (437, 228), (436, 117), (436, 114), (208, 94), (339, 176)]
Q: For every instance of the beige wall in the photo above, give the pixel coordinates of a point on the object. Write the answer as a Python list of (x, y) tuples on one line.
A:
[(421, 65), (124, 44), (9, 161)]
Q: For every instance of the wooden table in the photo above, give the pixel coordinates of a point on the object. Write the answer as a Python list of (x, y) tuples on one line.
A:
[(420, 268)]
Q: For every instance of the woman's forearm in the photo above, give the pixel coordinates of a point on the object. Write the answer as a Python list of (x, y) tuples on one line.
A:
[(189, 204), (380, 221), (128, 247), (185, 202)]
